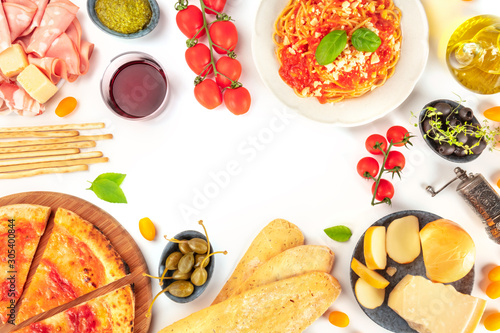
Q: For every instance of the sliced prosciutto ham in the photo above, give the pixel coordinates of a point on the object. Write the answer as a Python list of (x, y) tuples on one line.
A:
[(51, 36), (19, 15), (17, 100), (41, 5), (5, 41), (56, 19)]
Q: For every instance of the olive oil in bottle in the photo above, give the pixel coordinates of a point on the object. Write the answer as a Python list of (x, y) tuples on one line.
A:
[(473, 54)]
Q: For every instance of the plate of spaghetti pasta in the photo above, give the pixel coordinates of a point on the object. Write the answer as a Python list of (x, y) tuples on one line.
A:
[(359, 85)]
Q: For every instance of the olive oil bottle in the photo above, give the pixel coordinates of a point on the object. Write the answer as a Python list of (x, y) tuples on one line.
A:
[(473, 54)]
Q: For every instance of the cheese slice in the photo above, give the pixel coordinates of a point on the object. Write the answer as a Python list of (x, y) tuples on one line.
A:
[(434, 307), (13, 60), (36, 84)]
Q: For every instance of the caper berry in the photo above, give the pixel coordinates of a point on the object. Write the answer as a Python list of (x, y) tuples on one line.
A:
[(177, 275), (185, 248), (199, 276), (173, 260), (181, 288), (186, 263), (198, 245), (198, 260)]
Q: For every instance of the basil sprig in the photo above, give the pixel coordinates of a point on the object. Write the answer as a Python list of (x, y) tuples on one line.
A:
[(339, 233), (331, 46), (364, 39), (107, 187)]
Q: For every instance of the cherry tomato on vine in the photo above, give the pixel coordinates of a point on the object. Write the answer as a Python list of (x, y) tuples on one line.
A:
[(374, 142), (208, 94), (237, 100), (398, 135), (230, 68), (217, 5), (190, 21), (384, 190), (368, 166), (224, 35), (198, 59), (395, 160)]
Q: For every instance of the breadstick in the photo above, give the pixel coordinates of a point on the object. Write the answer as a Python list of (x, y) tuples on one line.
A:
[(41, 165), (51, 158), (40, 153), (85, 126), (36, 172), (82, 144), (59, 140), (51, 134)]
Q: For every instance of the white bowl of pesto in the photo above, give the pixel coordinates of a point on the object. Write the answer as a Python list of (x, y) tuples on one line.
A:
[(124, 18)]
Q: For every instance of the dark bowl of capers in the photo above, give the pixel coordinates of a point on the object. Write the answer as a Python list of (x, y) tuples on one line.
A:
[(185, 266), (451, 131)]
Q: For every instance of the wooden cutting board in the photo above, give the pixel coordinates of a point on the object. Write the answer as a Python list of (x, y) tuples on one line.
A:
[(114, 231)]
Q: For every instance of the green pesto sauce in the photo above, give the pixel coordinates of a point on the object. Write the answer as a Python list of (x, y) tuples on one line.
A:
[(125, 16)]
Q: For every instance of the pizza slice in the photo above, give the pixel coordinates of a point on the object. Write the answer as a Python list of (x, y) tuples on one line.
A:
[(78, 259), (110, 313), (21, 227)]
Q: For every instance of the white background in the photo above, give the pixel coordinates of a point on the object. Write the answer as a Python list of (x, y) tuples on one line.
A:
[(301, 171)]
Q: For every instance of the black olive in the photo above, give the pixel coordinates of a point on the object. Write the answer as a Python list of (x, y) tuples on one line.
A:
[(466, 114), (479, 148), (443, 108), (460, 152), (446, 149), (426, 126), (455, 122), (464, 137)]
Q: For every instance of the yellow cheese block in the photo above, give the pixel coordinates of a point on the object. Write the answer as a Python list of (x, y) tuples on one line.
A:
[(36, 84), (434, 307), (13, 60)]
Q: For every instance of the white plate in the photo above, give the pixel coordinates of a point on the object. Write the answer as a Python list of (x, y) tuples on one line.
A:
[(356, 111)]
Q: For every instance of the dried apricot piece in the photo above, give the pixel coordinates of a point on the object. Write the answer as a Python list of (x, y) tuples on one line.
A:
[(338, 319), (66, 106)]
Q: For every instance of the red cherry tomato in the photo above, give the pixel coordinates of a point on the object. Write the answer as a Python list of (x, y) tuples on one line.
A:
[(395, 160), (368, 166), (374, 142), (217, 5), (398, 135), (190, 21), (208, 94), (198, 59), (228, 67), (237, 100), (384, 190), (224, 35)]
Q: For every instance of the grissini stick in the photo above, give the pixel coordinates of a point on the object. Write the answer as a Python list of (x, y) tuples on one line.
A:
[(36, 172), (82, 144), (50, 134), (58, 140), (41, 165), (39, 153), (85, 126), (51, 158)]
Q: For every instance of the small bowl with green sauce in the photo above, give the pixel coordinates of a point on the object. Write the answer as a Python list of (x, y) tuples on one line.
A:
[(124, 18)]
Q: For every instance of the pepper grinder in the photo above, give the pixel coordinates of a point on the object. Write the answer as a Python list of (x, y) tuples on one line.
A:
[(480, 196)]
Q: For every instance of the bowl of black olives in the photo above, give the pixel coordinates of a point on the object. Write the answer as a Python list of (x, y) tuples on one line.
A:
[(451, 131), (186, 266)]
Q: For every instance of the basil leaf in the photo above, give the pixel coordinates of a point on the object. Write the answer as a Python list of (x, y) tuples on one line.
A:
[(108, 190), (364, 39), (330, 47), (339, 233), (116, 178)]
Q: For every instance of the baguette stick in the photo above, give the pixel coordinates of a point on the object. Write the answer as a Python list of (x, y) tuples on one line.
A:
[(85, 126), (82, 144), (50, 134), (59, 140), (36, 172), (54, 164), (40, 153), (51, 158)]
